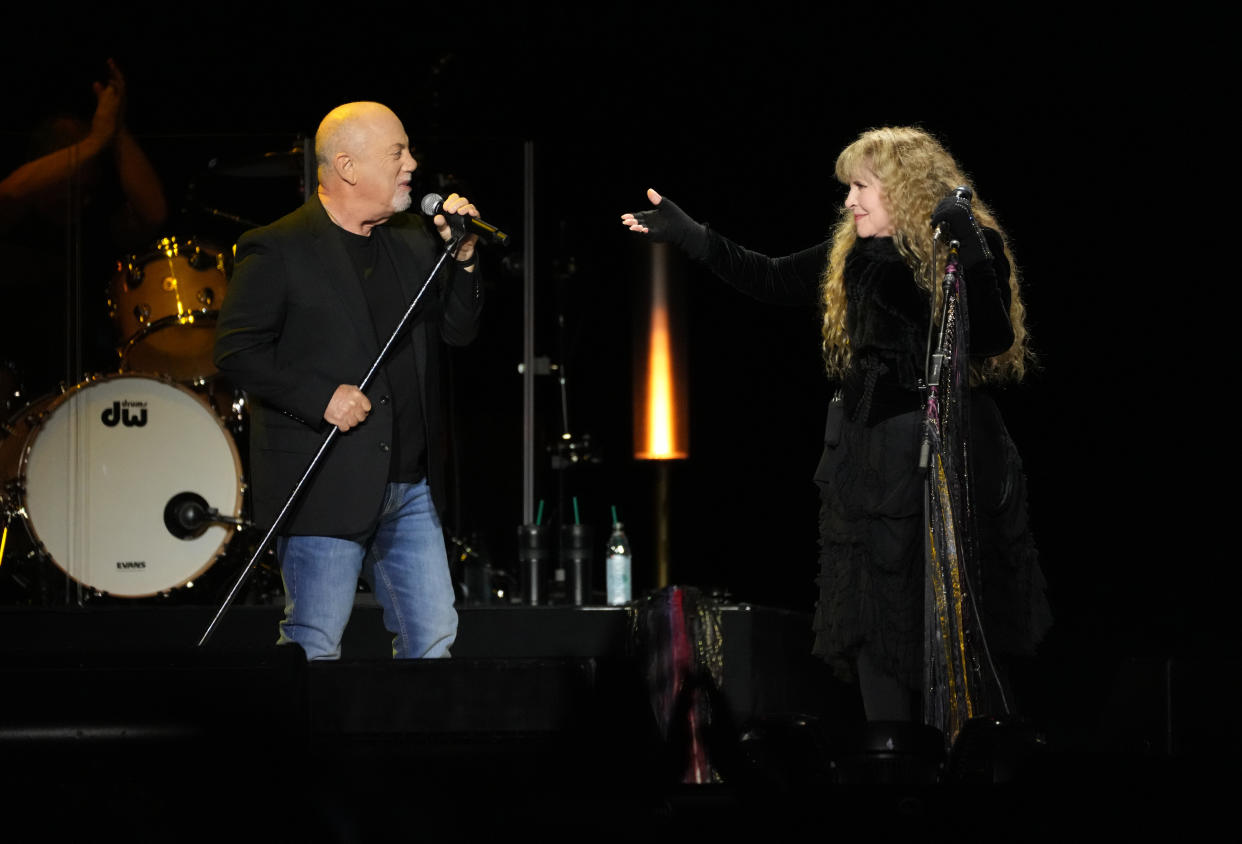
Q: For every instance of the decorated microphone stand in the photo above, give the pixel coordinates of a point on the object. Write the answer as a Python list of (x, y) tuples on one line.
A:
[(960, 682)]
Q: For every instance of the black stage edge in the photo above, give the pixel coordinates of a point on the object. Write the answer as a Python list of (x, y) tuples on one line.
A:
[(767, 664), (113, 723), (544, 717)]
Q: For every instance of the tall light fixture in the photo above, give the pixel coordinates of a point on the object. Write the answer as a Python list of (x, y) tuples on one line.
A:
[(661, 408)]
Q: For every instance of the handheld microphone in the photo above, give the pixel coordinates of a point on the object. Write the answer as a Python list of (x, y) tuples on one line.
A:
[(433, 204)]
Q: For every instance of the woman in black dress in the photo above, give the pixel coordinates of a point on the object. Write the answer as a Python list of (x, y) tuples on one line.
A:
[(878, 284)]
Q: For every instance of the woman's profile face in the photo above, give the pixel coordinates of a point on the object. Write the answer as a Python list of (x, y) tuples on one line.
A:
[(865, 201)]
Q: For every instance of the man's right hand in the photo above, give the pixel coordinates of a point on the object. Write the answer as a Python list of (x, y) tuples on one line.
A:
[(348, 408)]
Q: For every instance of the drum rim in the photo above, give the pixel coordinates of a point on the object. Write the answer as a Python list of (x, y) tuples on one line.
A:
[(153, 251), (160, 324), (57, 400)]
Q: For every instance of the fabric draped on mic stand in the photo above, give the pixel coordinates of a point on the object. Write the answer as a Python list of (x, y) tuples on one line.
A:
[(959, 683), (678, 635)]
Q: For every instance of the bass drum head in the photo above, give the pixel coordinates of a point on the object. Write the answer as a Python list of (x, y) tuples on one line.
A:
[(99, 469)]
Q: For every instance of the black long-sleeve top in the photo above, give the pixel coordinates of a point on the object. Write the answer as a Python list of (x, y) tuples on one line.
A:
[(887, 313)]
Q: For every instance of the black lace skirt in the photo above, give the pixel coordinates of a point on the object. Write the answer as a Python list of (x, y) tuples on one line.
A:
[(872, 536)]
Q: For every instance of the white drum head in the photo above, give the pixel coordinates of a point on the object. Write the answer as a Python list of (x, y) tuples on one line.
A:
[(100, 470)]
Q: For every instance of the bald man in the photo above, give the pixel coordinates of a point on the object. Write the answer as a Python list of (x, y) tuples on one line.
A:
[(313, 298)]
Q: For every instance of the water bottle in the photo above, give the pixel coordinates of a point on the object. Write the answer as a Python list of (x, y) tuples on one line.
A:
[(617, 569)]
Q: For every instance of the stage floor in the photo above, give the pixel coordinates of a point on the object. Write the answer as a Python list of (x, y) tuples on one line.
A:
[(546, 718)]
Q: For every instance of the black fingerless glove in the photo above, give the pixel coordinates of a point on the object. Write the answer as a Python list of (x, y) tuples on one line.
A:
[(954, 213), (669, 224)]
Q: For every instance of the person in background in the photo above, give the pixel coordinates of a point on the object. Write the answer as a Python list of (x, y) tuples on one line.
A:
[(87, 195)]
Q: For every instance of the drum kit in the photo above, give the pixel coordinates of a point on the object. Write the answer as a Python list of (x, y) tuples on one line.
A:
[(130, 484)]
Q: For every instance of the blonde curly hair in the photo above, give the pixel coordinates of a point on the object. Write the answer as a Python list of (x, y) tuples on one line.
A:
[(914, 172)]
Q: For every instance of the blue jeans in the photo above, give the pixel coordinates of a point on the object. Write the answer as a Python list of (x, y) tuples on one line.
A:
[(403, 559)]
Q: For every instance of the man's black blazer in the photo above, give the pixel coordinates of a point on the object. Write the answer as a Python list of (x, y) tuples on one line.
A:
[(294, 325)]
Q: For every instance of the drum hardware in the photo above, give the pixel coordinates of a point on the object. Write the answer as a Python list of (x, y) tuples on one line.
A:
[(10, 387), (291, 162), (229, 402), (187, 515), (11, 490), (476, 580), (8, 492), (146, 326), (232, 218), (239, 405)]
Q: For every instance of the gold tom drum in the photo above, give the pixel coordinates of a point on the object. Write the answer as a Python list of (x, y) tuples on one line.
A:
[(92, 472), (164, 304)]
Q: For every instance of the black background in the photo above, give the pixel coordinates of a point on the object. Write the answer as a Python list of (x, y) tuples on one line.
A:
[(1079, 132)]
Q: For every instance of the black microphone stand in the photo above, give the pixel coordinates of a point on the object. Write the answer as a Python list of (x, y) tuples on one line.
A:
[(450, 249)]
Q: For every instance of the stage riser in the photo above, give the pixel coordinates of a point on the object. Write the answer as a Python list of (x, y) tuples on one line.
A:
[(102, 701), (766, 662), (1175, 706)]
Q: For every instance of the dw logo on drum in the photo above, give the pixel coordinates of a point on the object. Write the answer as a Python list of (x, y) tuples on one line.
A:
[(116, 414)]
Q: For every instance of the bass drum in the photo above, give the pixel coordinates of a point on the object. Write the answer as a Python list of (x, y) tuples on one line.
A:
[(93, 471), (164, 304)]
